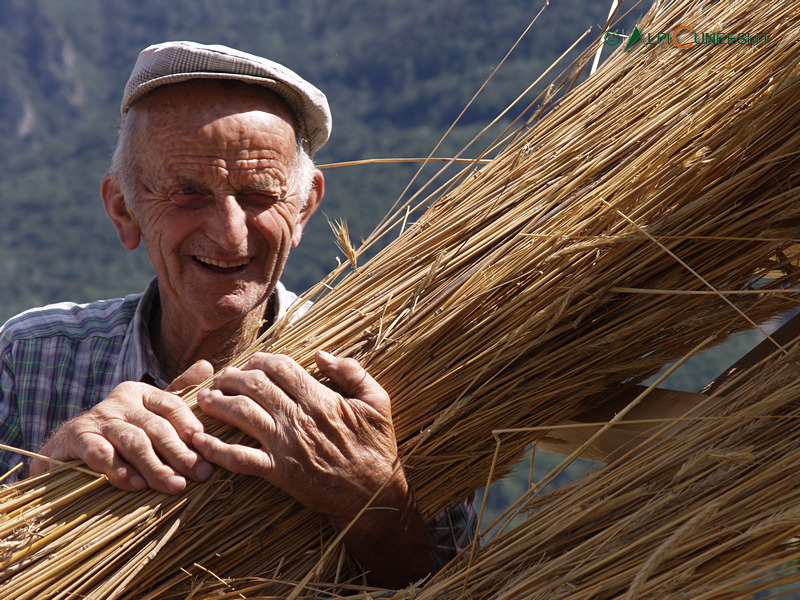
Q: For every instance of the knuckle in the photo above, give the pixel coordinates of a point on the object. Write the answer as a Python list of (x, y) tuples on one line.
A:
[(209, 402), (208, 397), (128, 437), (98, 454), (257, 386), (125, 390), (240, 407), (162, 472), (227, 375), (117, 478), (282, 365), (163, 403), (154, 428)]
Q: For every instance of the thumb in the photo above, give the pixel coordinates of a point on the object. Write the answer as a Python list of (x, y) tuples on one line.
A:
[(194, 375), (353, 381)]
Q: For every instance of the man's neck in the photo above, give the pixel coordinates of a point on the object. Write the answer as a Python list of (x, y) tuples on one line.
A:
[(178, 344)]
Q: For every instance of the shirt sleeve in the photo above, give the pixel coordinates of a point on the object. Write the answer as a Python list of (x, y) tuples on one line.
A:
[(10, 430), (453, 530)]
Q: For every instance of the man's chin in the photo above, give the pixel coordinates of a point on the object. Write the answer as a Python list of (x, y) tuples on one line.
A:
[(233, 309)]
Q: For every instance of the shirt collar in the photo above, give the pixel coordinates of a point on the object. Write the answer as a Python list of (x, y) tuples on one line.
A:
[(137, 361), (283, 300)]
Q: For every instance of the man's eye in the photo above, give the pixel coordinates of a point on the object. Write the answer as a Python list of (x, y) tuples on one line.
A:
[(261, 200), (186, 195)]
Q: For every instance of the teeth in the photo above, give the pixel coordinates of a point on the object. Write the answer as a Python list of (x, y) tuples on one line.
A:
[(224, 264)]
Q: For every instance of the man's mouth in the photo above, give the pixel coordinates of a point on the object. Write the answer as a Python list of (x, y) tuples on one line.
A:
[(223, 264)]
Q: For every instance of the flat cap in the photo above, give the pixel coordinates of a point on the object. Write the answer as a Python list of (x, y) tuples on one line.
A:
[(172, 62)]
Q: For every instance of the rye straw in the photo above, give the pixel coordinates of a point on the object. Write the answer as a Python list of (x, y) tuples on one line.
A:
[(521, 297)]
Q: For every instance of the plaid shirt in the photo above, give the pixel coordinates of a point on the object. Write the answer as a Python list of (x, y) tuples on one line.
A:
[(58, 361), (452, 530)]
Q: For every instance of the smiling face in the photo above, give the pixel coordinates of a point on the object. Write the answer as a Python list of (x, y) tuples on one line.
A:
[(216, 198)]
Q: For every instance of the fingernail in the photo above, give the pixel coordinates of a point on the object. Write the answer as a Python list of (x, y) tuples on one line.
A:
[(326, 355), (176, 483), (137, 482)]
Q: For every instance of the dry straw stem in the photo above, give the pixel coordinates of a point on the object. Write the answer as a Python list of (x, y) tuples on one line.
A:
[(508, 305)]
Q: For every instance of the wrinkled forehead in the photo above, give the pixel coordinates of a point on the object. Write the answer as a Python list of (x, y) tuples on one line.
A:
[(193, 104)]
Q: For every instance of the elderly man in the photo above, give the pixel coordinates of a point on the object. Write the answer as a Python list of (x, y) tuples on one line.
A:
[(213, 175)]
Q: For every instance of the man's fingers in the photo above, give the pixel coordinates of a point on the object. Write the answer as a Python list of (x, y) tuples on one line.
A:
[(148, 429), (139, 435), (169, 424), (99, 455), (353, 381), (275, 378), (276, 383), (147, 451), (240, 411), (194, 375), (329, 452), (235, 458), (174, 410), (94, 450), (284, 373)]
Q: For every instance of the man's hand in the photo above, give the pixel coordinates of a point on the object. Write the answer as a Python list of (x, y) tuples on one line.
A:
[(331, 450), (328, 450), (138, 436)]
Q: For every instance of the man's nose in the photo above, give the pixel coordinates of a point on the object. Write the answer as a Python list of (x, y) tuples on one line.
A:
[(228, 224)]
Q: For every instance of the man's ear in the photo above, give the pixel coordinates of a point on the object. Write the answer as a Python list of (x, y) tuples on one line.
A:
[(117, 210), (314, 198)]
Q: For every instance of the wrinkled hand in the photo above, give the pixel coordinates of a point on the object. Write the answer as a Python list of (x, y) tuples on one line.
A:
[(331, 451), (138, 436)]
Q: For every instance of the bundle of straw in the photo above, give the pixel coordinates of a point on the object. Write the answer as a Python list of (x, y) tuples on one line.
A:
[(709, 513), (630, 222)]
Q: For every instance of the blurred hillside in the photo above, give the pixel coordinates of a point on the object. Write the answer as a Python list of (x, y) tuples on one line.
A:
[(397, 75)]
